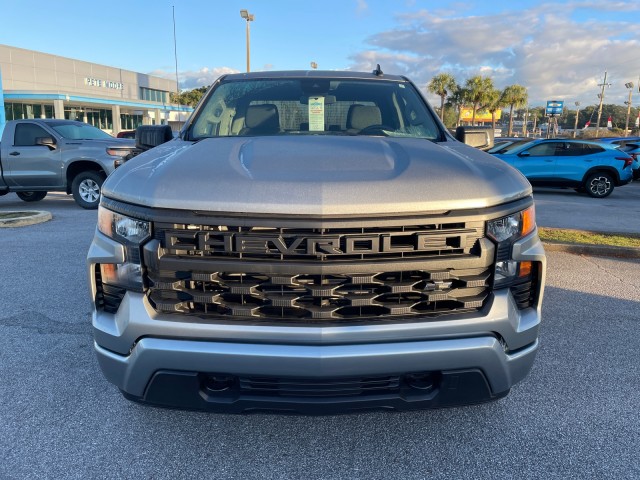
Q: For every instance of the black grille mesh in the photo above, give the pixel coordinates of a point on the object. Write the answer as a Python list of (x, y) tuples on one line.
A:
[(218, 285), (346, 387)]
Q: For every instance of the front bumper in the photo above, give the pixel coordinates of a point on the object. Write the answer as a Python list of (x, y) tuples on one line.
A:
[(178, 373)]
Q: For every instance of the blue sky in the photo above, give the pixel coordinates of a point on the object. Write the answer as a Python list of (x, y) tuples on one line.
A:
[(559, 50)]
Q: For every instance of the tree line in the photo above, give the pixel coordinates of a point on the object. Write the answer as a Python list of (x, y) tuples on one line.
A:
[(479, 94), (189, 98)]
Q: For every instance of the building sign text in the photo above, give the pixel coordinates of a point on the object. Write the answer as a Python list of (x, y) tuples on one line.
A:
[(96, 82)]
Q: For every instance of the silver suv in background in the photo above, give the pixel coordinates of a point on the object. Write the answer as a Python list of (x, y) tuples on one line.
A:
[(315, 242)]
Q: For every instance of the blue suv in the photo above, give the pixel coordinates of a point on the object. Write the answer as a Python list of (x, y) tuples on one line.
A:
[(594, 167)]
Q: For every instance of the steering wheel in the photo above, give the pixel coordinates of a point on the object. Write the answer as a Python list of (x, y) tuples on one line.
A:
[(378, 129)]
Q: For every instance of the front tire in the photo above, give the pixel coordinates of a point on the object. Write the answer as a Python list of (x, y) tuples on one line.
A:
[(86, 188), (31, 196), (599, 184)]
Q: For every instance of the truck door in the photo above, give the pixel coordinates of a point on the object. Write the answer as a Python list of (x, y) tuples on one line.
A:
[(538, 162), (27, 164)]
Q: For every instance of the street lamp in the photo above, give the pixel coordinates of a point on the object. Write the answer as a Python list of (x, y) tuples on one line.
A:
[(629, 86), (575, 127), (249, 18)]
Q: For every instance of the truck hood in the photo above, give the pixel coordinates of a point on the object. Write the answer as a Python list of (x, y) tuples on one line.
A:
[(316, 175)]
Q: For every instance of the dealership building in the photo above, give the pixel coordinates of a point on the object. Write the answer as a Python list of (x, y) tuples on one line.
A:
[(39, 85)]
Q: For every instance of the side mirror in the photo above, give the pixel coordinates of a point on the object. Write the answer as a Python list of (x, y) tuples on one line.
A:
[(478, 137), (149, 136), (524, 154), (46, 142)]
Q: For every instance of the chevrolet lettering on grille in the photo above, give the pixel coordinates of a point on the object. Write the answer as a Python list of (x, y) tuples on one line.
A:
[(321, 245)]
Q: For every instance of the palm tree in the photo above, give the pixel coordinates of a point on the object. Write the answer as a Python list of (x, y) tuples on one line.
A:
[(442, 85), (457, 99), (514, 96), (492, 104), (479, 88)]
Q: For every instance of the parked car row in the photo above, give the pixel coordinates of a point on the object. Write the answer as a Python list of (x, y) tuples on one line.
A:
[(595, 167)]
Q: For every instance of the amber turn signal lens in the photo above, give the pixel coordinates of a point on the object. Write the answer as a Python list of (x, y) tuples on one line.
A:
[(528, 220), (525, 269)]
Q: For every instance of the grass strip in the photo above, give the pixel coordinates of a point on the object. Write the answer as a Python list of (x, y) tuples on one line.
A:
[(589, 238)]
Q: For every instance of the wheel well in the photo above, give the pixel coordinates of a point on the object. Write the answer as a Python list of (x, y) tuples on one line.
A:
[(82, 166), (610, 170)]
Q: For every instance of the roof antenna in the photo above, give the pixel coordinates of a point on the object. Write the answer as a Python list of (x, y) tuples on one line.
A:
[(378, 71)]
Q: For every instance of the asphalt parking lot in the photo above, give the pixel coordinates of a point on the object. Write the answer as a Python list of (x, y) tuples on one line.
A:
[(564, 208), (575, 416)]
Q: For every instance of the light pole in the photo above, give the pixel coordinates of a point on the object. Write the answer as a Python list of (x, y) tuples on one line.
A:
[(249, 18), (575, 127), (628, 102)]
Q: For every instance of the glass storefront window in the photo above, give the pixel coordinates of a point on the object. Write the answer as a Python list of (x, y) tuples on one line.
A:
[(101, 118), (153, 95), (73, 113), (130, 121), (20, 111)]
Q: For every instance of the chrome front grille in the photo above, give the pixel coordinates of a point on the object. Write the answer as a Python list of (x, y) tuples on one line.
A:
[(316, 274)]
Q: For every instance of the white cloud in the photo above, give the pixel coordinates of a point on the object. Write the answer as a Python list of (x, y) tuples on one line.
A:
[(544, 49), (194, 79), (362, 7)]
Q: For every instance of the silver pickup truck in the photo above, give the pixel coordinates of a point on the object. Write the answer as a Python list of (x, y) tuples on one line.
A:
[(41, 155), (315, 241)]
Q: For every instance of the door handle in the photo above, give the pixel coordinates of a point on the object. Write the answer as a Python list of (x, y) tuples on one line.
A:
[(14, 153)]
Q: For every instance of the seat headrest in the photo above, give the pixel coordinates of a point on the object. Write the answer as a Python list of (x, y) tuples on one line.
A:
[(362, 116), (263, 117)]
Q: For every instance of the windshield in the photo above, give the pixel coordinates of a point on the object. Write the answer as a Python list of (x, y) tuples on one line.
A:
[(314, 106), (75, 131), (507, 147)]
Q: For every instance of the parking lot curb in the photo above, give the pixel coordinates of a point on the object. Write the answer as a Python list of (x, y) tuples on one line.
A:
[(23, 218), (593, 250)]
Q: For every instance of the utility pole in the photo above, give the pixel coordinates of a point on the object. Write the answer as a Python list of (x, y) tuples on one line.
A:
[(628, 102), (603, 84), (575, 127)]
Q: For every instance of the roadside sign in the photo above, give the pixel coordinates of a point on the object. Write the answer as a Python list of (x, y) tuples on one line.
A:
[(554, 107)]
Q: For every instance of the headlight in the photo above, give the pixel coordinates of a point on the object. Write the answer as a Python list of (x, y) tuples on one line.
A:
[(512, 227), (127, 230), (118, 152), (131, 232), (505, 232)]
